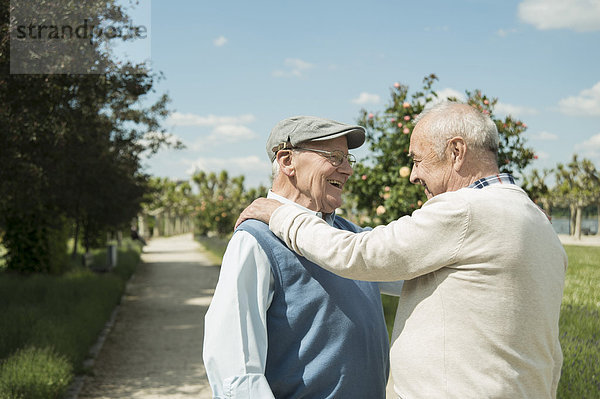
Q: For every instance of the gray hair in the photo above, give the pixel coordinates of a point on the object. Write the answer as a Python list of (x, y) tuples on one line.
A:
[(450, 119), (275, 165), (274, 169)]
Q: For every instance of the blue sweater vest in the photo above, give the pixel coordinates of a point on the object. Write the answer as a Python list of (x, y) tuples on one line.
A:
[(327, 335)]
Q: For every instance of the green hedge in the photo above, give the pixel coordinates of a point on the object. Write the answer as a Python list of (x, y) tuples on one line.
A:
[(50, 322)]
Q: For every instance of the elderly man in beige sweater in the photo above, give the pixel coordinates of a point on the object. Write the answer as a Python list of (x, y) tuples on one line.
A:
[(478, 315)]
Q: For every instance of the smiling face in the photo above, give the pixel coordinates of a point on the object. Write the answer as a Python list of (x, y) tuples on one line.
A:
[(428, 170), (319, 184)]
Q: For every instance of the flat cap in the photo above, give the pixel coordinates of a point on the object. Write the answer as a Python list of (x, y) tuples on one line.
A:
[(298, 129)]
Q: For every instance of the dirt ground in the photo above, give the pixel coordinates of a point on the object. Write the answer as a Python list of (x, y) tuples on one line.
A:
[(154, 348)]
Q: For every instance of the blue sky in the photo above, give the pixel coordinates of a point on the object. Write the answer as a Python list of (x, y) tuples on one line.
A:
[(233, 69)]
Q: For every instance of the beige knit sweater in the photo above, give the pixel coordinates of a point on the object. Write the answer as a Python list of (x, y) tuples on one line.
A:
[(478, 316)]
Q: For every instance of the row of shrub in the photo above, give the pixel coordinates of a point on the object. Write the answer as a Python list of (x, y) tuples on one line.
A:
[(50, 322)]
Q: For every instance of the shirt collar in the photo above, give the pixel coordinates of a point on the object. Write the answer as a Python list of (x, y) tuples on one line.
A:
[(502, 178), (329, 217)]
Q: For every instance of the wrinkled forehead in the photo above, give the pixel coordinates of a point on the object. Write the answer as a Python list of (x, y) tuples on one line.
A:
[(419, 135)]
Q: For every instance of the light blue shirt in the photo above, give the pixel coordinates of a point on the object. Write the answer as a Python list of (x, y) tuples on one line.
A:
[(235, 334)]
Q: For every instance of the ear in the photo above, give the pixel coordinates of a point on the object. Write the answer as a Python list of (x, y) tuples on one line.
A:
[(284, 158), (458, 152)]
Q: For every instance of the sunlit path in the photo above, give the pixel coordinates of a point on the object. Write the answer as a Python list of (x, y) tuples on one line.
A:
[(154, 350)]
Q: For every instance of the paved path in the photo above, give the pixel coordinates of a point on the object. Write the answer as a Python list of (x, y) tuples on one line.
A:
[(154, 349), (588, 241)]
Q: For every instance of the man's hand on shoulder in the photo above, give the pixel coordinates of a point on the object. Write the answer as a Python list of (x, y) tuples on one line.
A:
[(260, 209)]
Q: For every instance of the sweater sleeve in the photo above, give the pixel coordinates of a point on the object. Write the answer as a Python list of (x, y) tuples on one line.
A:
[(406, 248)]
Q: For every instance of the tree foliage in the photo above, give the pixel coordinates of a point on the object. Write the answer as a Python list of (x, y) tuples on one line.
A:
[(577, 186), (534, 183), (220, 200), (380, 189), (71, 148), (171, 203)]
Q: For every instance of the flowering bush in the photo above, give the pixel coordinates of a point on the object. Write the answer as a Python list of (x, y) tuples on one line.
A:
[(379, 189)]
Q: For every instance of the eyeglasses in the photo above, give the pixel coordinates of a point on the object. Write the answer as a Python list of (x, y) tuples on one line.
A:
[(335, 157)]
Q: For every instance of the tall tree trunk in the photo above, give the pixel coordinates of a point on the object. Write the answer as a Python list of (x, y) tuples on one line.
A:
[(155, 229), (598, 216), (578, 213), (141, 228), (572, 216), (86, 236), (546, 207), (75, 239)]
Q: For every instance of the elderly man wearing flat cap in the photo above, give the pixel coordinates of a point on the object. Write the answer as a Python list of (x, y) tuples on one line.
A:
[(279, 326)]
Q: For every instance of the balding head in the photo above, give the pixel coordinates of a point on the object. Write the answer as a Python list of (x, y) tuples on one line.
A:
[(450, 119), (452, 145)]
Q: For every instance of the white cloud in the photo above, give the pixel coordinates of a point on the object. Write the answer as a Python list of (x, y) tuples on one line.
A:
[(231, 133), (578, 15), (446, 93), (545, 136), (366, 98), (181, 119), (295, 67), (514, 110), (587, 102), (220, 41), (590, 148), (226, 129), (500, 108), (235, 166), (591, 143)]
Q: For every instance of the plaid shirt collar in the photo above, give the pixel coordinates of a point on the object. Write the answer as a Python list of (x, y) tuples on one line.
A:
[(496, 179)]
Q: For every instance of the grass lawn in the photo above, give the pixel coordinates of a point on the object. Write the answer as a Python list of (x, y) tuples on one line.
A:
[(49, 323), (580, 325)]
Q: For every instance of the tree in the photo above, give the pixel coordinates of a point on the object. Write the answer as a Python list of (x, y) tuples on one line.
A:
[(172, 203), (380, 190), (71, 147), (220, 201), (577, 185), (535, 185)]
